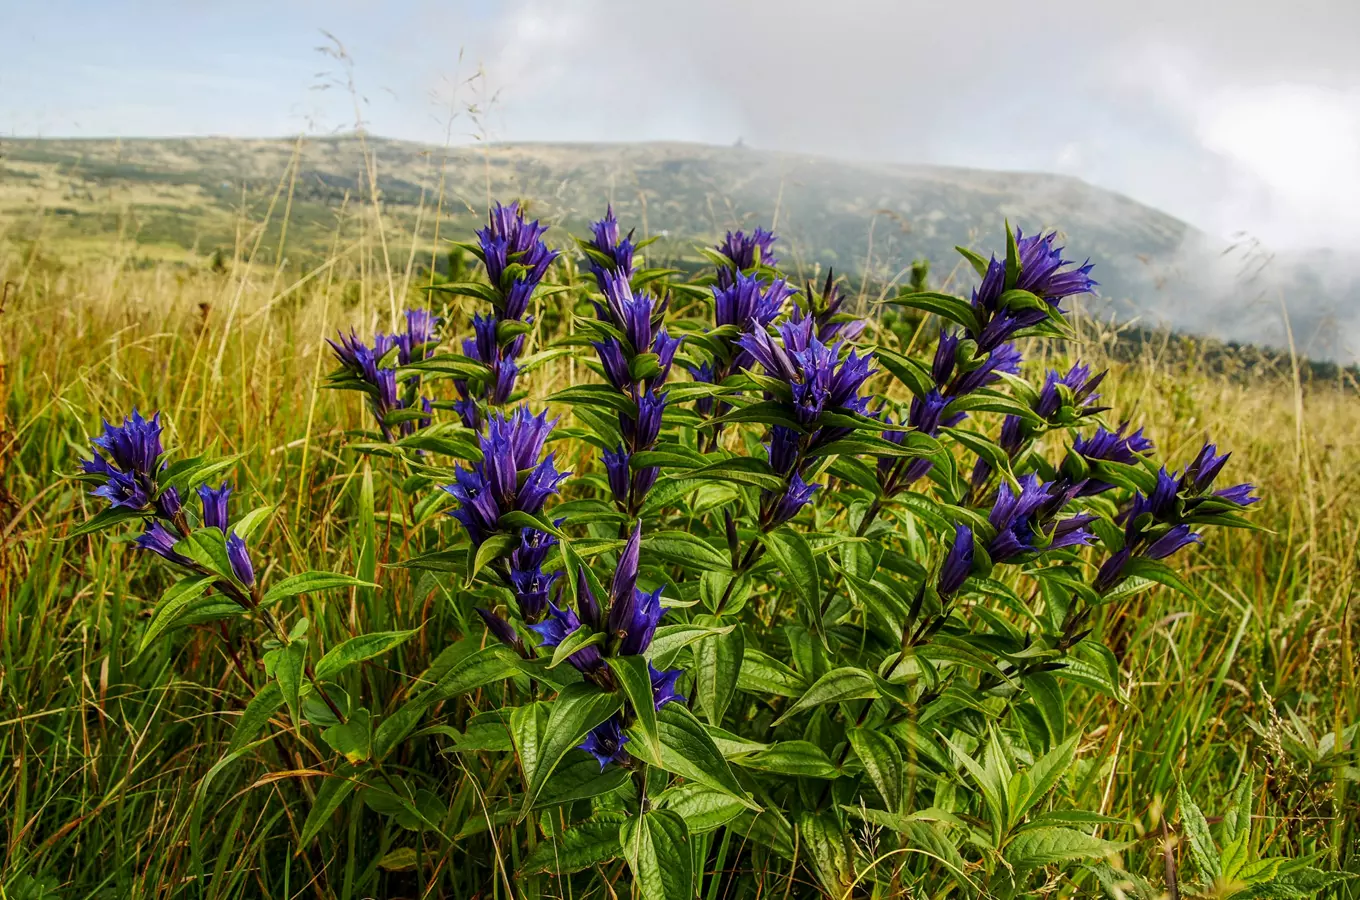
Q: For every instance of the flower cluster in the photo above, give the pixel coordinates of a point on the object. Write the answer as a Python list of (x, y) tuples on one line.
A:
[(810, 379), (372, 369), (516, 260), (956, 371), (741, 297), (1042, 273), (1064, 400), (1159, 523), (628, 623), (1028, 522), (636, 353), (124, 463)]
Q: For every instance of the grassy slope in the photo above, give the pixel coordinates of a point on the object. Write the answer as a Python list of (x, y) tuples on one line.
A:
[(103, 751)]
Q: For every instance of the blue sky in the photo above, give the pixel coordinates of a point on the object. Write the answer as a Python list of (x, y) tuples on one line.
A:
[(1239, 117)]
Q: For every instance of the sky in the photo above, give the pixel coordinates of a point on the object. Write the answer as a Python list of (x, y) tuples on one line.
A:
[(1242, 118)]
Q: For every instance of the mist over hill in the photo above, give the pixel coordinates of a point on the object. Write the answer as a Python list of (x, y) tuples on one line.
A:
[(185, 198)]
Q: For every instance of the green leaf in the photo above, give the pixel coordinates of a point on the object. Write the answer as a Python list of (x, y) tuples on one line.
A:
[(976, 260), (761, 673), (251, 521), (717, 668), (657, 847), (478, 669), (799, 758), (357, 649), (256, 715), (688, 751), (671, 639), (579, 639), (352, 738), (633, 676), (685, 549), (494, 547), (187, 474), (579, 777), (577, 848), (955, 309), (288, 669), (333, 791), (577, 709), (743, 470), (794, 556), (310, 582), (882, 761), (1201, 841), (1029, 850), (836, 686), (104, 519), (208, 548), (827, 845), (1047, 770), (702, 808), (173, 602)]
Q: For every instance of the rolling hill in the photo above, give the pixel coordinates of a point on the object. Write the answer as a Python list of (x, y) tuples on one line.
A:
[(186, 198)]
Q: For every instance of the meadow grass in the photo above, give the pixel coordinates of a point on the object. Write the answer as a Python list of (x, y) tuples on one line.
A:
[(109, 775)]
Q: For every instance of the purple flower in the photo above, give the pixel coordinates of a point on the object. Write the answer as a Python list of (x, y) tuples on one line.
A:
[(1043, 272), (946, 353), (820, 379), (1240, 494), (1003, 359), (130, 458), (784, 506), (784, 449), (168, 505), (605, 742), (158, 539), (508, 240), (503, 630), (241, 565), (630, 313), (704, 374), (587, 602), (555, 629), (642, 433), (748, 299), (215, 506), (1021, 518), (606, 241), (1112, 446), (1177, 537), (531, 588), (958, 564), (420, 326), (493, 486), (626, 484), (614, 363), (663, 686), (1075, 390), (746, 250), (622, 588)]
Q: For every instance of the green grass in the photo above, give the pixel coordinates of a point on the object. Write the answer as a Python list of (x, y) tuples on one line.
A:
[(110, 784)]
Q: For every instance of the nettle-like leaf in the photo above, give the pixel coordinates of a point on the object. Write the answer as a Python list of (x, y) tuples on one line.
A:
[(657, 847)]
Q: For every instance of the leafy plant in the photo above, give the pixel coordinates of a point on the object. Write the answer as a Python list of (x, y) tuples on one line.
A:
[(824, 609)]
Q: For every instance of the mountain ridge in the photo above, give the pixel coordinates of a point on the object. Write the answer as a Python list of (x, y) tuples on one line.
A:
[(869, 219)]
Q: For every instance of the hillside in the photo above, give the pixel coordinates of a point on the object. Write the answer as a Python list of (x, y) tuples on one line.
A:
[(186, 198)]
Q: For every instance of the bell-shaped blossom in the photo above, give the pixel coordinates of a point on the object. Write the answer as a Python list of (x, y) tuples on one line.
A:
[(958, 564), (1075, 390), (780, 507), (748, 299), (832, 324), (510, 240), (606, 241), (605, 742), (501, 629), (493, 486), (127, 458), (1027, 522), (239, 557), (1004, 359), (158, 539), (1043, 272), (663, 686), (820, 377), (641, 432), (215, 513), (746, 250)]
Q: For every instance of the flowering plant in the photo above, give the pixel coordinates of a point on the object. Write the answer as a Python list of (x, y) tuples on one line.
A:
[(822, 607)]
